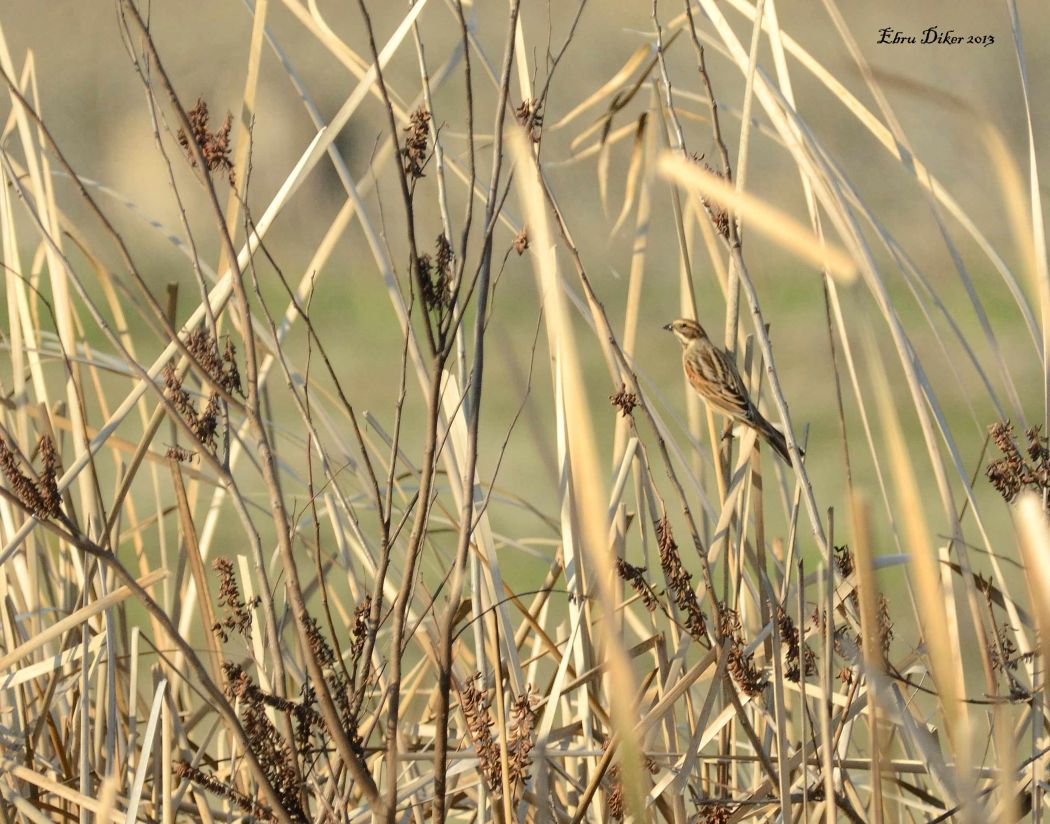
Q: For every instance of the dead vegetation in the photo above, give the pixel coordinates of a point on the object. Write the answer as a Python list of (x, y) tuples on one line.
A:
[(231, 593)]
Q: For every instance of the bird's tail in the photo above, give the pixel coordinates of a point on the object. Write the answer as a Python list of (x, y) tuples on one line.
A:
[(775, 438)]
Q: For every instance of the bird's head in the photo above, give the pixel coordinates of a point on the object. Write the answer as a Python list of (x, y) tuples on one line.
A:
[(686, 330)]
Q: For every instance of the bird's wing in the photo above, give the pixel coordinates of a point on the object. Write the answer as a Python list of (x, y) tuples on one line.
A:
[(713, 374)]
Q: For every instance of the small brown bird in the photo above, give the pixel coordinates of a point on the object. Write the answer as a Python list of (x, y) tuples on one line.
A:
[(712, 373)]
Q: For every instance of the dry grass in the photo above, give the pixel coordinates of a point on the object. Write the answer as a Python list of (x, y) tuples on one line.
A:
[(229, 591)]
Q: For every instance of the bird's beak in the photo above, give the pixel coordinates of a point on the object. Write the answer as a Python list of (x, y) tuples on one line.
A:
[(667, 327)]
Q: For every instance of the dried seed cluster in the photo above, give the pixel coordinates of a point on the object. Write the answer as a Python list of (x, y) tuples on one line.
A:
[(443, 257), (360, 631), (847, 646), (679, 581), (741, 664), (183, 769), (435, 275), (222, 369), (800, 658), (522, 737), (624, 401), (521, 241), (283, 761), (214, 146), (844, 560), (1004, 653), (268, 745), (414, 152), (336, 677), (238, 617), (203, 424), (841, 636), (40, 497), (634, 576), (719, 216), (475, 706), (179, 454), (1014, 471), (614, 781), (1006, 658), (715, 814), (475, 703), (530, 118)]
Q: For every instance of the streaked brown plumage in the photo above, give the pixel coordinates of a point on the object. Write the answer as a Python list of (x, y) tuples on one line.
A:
[(713, 374)]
